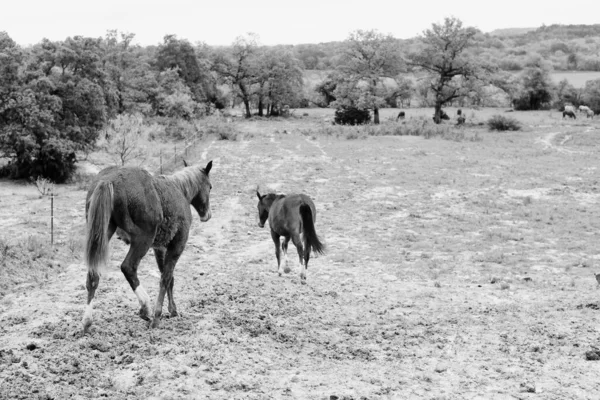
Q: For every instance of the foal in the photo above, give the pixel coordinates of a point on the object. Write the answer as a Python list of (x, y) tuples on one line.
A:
[(292, 217)]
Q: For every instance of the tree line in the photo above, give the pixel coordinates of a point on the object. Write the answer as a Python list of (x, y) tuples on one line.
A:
[(56, 97)]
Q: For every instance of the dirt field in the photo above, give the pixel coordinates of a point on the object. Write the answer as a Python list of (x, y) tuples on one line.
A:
[(454, 270)]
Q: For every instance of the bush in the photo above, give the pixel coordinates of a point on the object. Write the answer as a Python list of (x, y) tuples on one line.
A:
[(502, 123), (352, 116)]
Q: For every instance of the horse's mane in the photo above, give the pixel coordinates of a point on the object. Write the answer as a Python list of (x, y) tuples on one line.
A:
[(189, 180)]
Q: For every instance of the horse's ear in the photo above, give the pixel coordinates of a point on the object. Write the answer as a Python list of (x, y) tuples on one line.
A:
[(208, 167), (185, 164), (258, 195)]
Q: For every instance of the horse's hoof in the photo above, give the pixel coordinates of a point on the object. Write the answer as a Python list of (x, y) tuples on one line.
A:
[(172, 314), (279, 273), (287, 270), (155, 323), (144, 314), (86, 326)]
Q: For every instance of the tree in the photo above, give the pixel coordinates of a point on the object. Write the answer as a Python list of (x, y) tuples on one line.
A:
[(278, 81), (123, 139), (537, 89), (447, 62), (54, 104), (370, 56), (237, 66), (567, 94), (591, 95)]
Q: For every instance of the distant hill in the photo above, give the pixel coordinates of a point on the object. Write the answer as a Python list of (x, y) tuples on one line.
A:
[(511, 31)]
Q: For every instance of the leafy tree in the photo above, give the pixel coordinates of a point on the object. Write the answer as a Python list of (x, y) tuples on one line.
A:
[(567, 94), (537, 89), (445, 58), (180, 55), (591, 95), (370, 56), (279, 80), (238, 66), (54, 105)]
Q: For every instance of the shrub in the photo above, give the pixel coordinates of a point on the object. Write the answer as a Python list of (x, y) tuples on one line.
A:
[(502, 123), (352, 116)]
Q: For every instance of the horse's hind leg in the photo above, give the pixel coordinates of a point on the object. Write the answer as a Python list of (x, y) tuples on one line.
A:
[(284, 247), (160, 254), (277, 243), (299, 243), (137, 250), (170, 258)]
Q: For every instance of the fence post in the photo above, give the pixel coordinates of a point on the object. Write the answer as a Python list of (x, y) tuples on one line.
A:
[(52, 219)]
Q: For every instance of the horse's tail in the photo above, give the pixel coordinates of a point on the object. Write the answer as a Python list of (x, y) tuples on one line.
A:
[(311, 240), (98, 218)]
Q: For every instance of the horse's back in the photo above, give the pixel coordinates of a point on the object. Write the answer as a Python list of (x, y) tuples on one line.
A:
[(136, 201), (284, 216)]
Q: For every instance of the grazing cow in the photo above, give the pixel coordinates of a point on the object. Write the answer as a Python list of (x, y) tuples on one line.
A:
[(569, 114), (569, 107), (584, 109), (401, 115), (460, 120), (590, 113)]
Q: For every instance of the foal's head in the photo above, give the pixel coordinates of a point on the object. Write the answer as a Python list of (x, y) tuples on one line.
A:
[(264, 204)]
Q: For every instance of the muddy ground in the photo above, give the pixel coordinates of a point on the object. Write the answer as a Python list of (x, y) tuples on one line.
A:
[(454, 270)]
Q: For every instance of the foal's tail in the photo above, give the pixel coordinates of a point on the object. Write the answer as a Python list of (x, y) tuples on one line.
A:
[(98, 218), (311, 240)]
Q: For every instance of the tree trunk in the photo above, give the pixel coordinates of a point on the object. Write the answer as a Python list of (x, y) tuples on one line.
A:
[(376, 115), (247, 107), (260, 108), (437, 116)]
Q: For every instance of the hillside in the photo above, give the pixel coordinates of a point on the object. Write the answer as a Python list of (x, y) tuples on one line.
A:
[(511, 31)]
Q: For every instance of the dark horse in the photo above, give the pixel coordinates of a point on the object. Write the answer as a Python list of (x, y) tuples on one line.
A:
[(145, 211), (292, 217)]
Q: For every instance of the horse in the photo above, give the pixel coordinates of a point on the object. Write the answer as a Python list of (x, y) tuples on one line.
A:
[(292, 217), (584, 109), (569, 107), (590, 113), (145, 211), (570, 114)]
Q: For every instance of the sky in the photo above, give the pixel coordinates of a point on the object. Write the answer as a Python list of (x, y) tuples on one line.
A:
[(219, 22)]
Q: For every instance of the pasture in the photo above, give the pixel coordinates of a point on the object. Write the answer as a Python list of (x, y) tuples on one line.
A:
[(455, 268)]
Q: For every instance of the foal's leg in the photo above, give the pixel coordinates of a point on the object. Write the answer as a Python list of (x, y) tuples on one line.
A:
[(298, 242), (277, 242), (140, 244), (92, 282), (284, 247), (170, 258)]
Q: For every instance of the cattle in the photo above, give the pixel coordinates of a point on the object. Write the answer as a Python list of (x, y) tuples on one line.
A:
[(401, 115), (570, 114), (584, 109), (569, 107), (590, 113)]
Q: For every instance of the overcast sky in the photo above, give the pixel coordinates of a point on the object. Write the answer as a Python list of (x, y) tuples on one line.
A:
[(218, 22)]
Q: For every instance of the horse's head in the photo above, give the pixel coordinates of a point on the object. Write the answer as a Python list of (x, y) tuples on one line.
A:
[(264, 204), (201, 201)]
